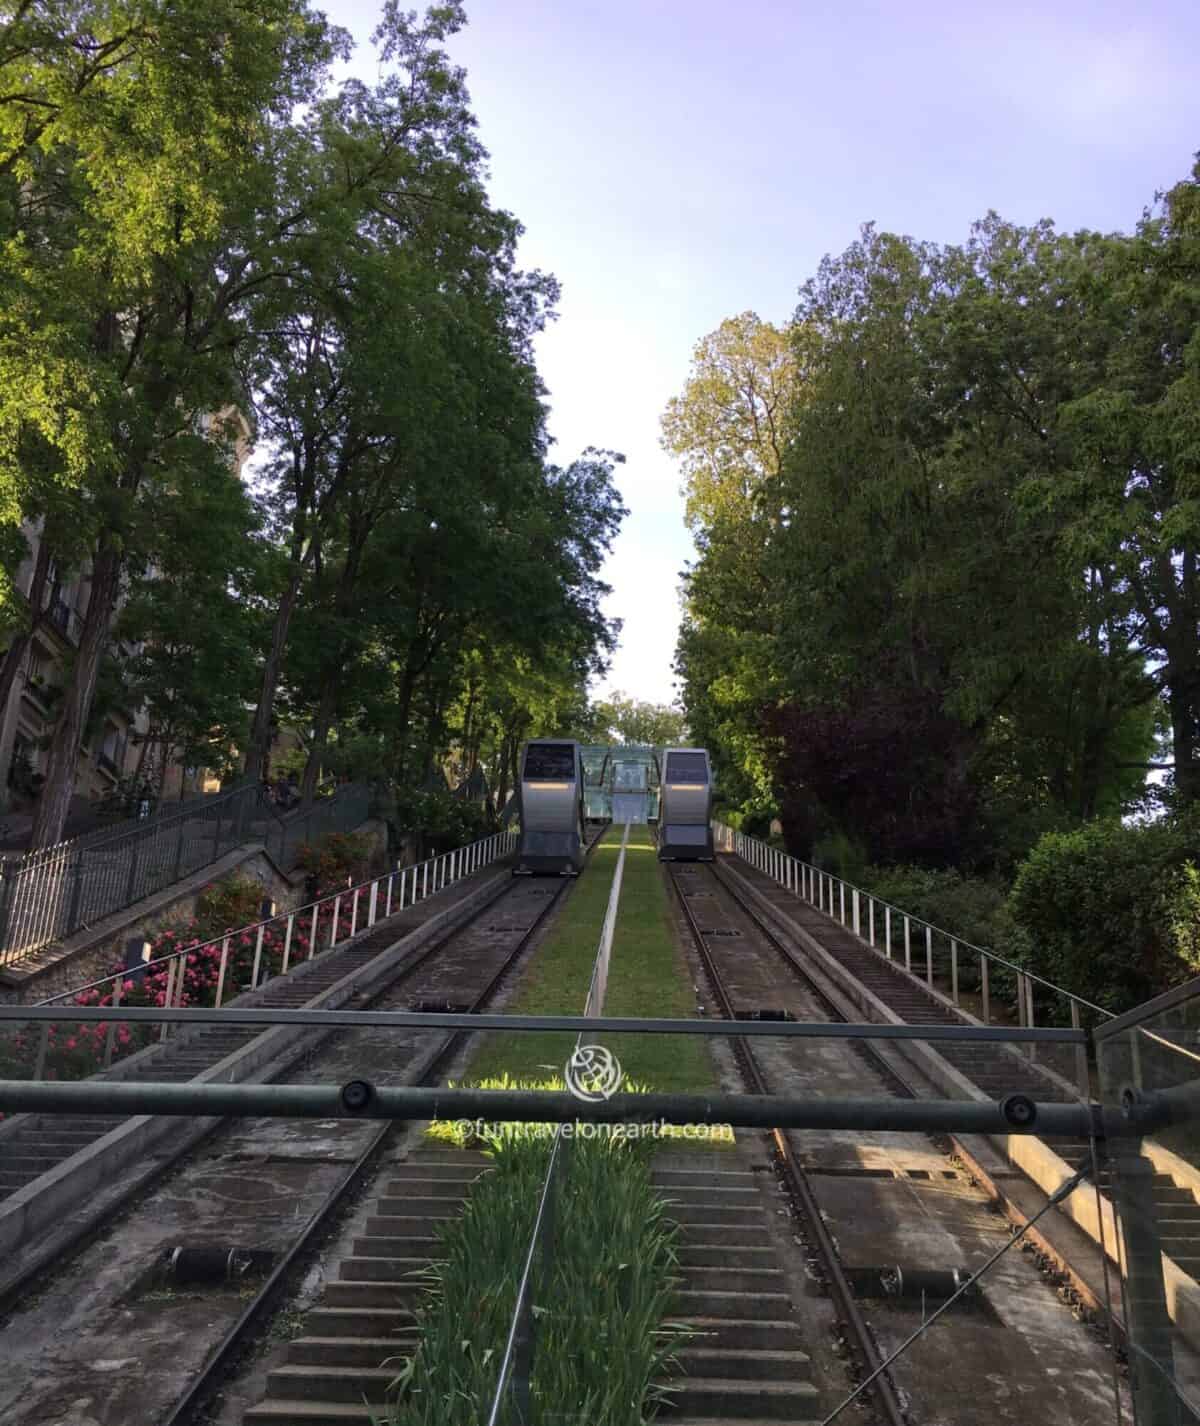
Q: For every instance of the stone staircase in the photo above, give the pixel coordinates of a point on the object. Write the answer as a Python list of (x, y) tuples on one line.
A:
[(747, 1361)]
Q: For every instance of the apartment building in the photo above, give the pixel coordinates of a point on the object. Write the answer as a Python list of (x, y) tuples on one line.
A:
[(115, 752)]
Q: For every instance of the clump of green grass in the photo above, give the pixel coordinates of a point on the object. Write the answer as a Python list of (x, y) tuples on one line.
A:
[(600, 1300)]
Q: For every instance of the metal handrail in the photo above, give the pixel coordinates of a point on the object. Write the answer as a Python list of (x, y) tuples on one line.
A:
[(767, 857), (462, 861), (56, 891)]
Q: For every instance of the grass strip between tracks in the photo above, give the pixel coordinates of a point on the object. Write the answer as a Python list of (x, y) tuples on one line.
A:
[(601, 1342), (647, 976)]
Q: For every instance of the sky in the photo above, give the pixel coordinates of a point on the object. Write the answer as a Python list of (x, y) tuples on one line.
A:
[(675, 162)]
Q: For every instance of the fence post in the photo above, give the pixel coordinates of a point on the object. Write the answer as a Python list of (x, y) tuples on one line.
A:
[(983, 982), (39, 1068), (167, 999), (1029, 997), (287, 944), (110, 1033), (425, 883), (887, 930), (372, 901), (312, 938), (73, 918), (333, 925), (221, 972), (134, 858), (954, 970), (258, 940), (929, 957), (856, 915), (907, 945), (841, 901), (354, 912), (1081, 1064)]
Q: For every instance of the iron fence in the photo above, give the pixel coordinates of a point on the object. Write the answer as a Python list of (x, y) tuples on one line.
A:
[(965, 975), (48, 894)]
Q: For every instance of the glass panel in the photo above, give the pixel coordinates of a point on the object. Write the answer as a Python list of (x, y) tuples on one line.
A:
[(550, 762)]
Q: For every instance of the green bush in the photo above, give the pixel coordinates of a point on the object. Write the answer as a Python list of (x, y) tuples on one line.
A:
[(1112, 912), (970, 908), (339, 860), (843, 856), (442, 821)]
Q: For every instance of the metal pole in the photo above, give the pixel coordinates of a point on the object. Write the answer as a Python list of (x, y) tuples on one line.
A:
[(954, 970), (371, 903), (354, 912), (258, 943), (929, 957), (110, 1035), (312, 938), (983, 980), (162, 1034), (887, 930), (907, 945), (287, 943), (1081, 1064), (425, 882), (39, 1068), (841, 901), (333, 925), (854, 910), (1029, 997), (221, 972), (1150, 1333)]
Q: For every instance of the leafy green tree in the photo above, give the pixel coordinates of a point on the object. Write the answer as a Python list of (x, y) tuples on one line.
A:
[(134, 156), (638, 723)]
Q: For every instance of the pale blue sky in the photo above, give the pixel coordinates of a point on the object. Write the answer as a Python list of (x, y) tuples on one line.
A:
[(675, 163)]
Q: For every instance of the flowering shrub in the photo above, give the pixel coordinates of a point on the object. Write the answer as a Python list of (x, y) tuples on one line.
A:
[(341, 859)]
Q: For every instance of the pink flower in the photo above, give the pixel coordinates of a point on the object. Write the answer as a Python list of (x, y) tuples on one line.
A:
[(71, 1043)]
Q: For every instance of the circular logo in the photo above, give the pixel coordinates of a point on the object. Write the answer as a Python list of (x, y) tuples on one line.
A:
[(593, 1073)]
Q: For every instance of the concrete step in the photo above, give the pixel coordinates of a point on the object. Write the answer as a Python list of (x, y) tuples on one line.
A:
[(687, 1303), (744, 1364), (350, 1351), (734, 1279), (423, 1188), (466, 1169), (724, 1256), (378, 1293), (274, 1412), (728, 1178), (350, 1320), (396, 1227), (684, 1213), (358, 1269), (759, 1400), (416, 1206), (734, 1235), (426, 1247), (33, 1164), (295, 1382)]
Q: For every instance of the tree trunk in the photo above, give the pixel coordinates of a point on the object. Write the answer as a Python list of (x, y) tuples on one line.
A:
[(1182, 706), (321, 726), (55, 800), (14, 656), (260, 731)]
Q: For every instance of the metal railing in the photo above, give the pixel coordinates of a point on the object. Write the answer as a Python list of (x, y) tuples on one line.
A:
[(48, 894), (950, 966), (310, 930)]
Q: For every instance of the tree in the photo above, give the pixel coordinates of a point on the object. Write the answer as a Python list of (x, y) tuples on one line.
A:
[(133, 161), (640, 724)]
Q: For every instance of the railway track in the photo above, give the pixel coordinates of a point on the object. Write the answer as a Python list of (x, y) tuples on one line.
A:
[(870, 1202), (273, 1185), (994, 1070)]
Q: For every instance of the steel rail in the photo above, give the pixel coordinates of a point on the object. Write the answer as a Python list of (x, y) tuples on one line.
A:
[(65, 1249), (882, 1388), (226, 1351), (970, 1160)]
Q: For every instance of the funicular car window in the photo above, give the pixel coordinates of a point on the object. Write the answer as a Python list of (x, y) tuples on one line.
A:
[(687, 767), (550, 762)]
